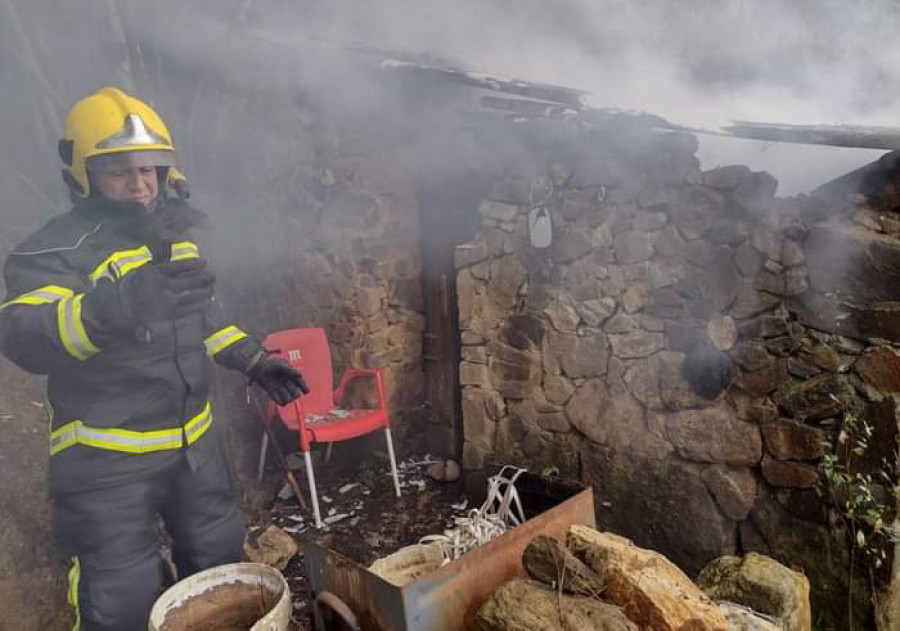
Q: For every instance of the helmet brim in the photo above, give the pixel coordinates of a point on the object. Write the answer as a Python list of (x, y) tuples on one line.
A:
[(106, 162)]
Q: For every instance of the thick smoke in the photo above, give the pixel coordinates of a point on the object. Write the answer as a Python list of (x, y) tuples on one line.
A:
[(701, 63)]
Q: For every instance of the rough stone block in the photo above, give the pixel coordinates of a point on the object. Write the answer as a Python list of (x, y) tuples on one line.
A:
[(793, 441), (469, 253), (761, 583), (595, 312), (636, 298), (697, 211), (750, 302), (579, 356), (756, 192), (722, 332), (816, 398), (653, 591), (714, 435), (571, 244), (731, 233), (748, 261), (474, 354), (636, 344), (556, 422), (499, 211), (725, 177), (880, 368), (790, 474), (649, 221), (471, 374), (558, 389), (733, 487), (634, 246), (519, 604)]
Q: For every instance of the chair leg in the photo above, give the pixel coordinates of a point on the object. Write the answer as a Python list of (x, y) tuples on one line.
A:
[(311, 478), (263, 450), (390, 444), (328, 452)]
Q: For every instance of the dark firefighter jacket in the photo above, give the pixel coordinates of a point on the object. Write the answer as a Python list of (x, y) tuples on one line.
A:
[(120, 407)]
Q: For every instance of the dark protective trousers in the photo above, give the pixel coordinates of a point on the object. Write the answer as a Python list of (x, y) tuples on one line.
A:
[(113, 535)]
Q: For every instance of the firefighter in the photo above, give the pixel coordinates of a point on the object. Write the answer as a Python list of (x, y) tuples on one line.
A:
[(114, 303)]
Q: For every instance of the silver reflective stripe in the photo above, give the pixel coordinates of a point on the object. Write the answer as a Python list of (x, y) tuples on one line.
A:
[(185, 250), (74, 337), (114, 439), (118, 264), (196, 427), (41, 296), (222, 339)]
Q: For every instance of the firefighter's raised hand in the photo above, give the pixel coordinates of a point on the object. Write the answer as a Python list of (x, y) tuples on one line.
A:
[(151, 293), (281, 381)]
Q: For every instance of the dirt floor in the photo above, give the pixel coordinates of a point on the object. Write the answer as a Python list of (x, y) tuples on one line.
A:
[(32, 588), (368, 521)]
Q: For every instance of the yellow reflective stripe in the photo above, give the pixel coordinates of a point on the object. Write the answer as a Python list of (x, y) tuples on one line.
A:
[(122, 261), (222, 339), (71, 328), (40, 296), (185, 250), (197, 426), (72, 595), (77, 433)]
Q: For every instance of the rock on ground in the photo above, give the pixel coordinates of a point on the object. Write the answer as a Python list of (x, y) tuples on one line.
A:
[(522, 605), (546, 560), (653, 592), (763, 584), (273, 547)]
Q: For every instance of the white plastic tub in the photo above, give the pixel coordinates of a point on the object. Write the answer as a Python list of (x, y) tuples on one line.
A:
[(235, 597)]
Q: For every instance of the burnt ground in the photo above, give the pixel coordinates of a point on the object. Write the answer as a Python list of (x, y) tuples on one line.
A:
[(377, 522)]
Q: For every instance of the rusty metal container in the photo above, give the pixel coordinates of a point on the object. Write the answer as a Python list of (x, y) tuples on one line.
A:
[(448, 598)]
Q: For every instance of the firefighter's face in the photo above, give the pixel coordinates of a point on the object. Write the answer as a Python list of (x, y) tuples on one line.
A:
[(130, 184)]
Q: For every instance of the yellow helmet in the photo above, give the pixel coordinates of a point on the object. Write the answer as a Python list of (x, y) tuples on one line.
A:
[(110, 130)]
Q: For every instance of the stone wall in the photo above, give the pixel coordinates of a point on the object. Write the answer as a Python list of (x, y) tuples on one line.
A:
[(668, 347)]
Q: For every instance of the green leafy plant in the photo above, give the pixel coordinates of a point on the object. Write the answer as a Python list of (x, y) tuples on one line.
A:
[(865, 502)]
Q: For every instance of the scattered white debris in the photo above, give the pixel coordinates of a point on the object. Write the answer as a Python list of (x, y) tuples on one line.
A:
[(297, 518), (461, 505), (333, 519), (348, 487), (286, 492), (502, 509), (327, 499), (355, 520), (420, 484), (332, 511), (294, 530)]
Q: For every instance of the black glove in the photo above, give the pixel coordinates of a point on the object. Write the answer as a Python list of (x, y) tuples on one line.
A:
[(151, 293), (279, 379)]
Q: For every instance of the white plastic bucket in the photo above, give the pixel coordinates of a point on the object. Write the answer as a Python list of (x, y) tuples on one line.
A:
[(235, 597)]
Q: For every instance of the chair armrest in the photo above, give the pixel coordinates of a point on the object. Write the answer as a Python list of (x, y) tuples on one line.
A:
[(361, 373)]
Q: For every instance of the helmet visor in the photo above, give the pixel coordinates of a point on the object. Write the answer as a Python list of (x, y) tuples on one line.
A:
[(107, 162)]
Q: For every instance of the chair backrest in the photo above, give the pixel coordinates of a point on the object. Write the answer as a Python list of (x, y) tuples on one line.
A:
[(307, 351)]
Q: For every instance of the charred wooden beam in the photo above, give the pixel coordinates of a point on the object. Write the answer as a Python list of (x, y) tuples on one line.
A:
[(857, 136)]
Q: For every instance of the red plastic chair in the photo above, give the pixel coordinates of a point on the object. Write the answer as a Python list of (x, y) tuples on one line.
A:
[(317, 416)]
